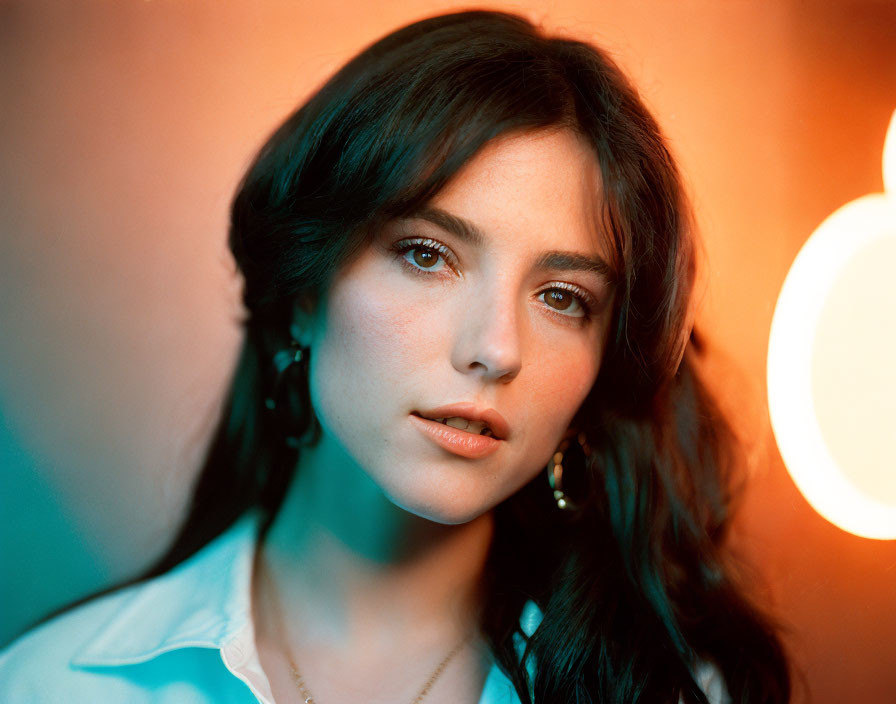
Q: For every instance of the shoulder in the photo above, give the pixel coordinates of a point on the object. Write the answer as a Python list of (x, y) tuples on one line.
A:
[(157, 640), (38, 665), (143, 644)]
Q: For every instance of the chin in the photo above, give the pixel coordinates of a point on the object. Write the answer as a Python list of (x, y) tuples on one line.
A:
[(443, 509)]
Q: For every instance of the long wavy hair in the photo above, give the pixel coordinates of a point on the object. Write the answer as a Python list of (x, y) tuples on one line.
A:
[(634, 586)]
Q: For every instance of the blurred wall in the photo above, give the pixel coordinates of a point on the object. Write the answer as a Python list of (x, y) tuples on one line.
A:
[(124, 129)]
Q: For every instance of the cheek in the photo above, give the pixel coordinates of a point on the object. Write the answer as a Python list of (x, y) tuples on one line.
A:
[(565, 373), (371, 343), (560, 383), (361, 328)]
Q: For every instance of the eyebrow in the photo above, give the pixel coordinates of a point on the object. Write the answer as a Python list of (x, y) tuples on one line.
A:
[(555, 260)]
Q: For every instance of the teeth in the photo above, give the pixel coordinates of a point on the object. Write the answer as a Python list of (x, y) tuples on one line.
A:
[(471, 426), (459, 423)]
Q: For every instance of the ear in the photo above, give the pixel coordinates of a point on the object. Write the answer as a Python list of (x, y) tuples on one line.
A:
[(302, 326)]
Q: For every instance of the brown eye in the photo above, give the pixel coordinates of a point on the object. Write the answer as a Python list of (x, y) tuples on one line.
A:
[(565, 302), (425, 258), (560, 300)]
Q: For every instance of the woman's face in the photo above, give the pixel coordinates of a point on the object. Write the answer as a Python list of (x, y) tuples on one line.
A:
[(494, 297)]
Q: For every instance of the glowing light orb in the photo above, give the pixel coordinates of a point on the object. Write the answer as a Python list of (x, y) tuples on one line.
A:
[(832, 363)]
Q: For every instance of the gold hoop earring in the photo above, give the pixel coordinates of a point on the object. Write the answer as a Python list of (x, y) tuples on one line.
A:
[(555, 471)]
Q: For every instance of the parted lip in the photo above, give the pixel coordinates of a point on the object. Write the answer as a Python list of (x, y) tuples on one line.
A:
[(470, 411)]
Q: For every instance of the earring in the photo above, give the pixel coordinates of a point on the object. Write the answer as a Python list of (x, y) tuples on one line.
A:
[(285, 358), (289, 401), (555, 471)]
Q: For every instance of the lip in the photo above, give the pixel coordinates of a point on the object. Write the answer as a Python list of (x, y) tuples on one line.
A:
[(455, 440), (470, 411)]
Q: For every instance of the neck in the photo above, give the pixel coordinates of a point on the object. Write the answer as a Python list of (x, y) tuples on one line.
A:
[(353, 571)]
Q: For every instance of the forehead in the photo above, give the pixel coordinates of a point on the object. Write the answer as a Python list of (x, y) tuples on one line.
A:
[(539, 188)]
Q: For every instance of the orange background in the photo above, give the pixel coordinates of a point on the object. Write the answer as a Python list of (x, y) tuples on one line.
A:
[(124, 129)]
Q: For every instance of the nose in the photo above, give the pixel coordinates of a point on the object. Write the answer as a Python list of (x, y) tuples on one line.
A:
[(488, 338)]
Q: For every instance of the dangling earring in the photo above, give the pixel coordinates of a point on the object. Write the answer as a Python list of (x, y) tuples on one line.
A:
[(555, 471), (285, 358), (294, 355)]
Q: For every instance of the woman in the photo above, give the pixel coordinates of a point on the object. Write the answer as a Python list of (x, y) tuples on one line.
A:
[(467, 258)]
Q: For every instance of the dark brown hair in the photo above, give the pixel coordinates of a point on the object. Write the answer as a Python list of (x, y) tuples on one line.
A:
[(633, 586)]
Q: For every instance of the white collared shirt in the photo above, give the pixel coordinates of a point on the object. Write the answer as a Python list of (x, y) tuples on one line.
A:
[(185, 637)]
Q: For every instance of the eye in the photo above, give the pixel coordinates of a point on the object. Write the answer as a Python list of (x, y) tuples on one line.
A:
[(567, 300), (425, 255)]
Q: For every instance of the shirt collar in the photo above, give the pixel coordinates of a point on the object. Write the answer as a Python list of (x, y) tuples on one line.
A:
[(203, 602)]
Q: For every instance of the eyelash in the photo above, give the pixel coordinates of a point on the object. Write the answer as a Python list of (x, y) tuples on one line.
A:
[(404, 246), (585, 300)]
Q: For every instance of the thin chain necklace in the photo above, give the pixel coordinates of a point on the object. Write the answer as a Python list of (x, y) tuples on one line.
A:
[(308, 699), (300, 680)]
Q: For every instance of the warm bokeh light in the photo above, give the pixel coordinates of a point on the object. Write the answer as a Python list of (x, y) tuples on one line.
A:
[(890, 158), (831, 380)]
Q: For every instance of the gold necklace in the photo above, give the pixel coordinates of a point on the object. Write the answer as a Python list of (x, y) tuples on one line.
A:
[(308, 699), (300, 681)]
